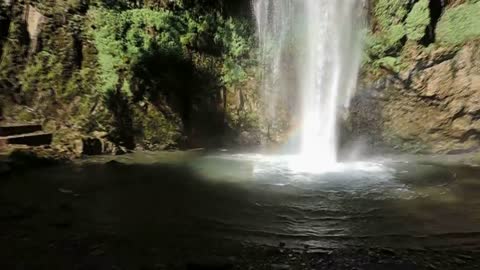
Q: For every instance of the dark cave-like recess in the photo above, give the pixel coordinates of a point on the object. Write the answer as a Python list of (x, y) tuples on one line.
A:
[(436, 9)]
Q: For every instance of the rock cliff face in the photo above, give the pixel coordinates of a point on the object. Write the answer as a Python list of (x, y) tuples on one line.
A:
[(421, 97), (158, 74), (35, 21), (440, 105), (150, 74)]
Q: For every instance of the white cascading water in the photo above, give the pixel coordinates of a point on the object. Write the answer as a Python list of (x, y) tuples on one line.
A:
[(320, 41)]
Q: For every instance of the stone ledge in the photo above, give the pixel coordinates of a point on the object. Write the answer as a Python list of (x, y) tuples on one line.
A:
[(33, 139), (10, 130)]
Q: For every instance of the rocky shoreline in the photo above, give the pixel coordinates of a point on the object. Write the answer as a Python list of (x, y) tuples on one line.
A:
[(24, 158), (20, 158)]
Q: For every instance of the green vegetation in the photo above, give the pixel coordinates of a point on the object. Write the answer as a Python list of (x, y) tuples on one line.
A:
[(402, 29), (417, 21), (122, 38), (388, 62), (460, 24), (125, 38), (140, 70), (386, 39), (389, 13), (382, 44), (146, 55), (237, 42)]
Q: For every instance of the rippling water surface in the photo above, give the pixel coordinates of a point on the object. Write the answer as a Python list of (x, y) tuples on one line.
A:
[(188, 198), (384, 202)]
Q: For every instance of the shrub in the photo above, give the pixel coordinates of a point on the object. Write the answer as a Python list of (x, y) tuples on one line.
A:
[(234, 37), (123, 37)]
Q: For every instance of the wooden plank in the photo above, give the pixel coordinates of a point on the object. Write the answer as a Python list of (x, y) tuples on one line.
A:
[(10, 130)]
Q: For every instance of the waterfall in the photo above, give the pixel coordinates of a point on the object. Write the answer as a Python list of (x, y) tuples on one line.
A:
[(318, 43)]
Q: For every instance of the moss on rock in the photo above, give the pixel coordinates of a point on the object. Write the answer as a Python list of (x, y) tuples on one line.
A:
[(389, 62), (153, 129), (417, 21), (459, 24), (388, 13)]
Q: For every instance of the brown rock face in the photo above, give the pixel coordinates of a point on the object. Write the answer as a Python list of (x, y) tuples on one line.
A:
[(433, 108), (35, 21)]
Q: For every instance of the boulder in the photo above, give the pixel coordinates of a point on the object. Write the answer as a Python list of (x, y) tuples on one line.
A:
[(97, 144), (92, 146)]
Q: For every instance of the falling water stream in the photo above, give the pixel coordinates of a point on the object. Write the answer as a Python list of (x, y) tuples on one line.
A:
[(319, 41)]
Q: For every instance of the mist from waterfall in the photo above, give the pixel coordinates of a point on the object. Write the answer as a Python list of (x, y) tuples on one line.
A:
[(313, 47)]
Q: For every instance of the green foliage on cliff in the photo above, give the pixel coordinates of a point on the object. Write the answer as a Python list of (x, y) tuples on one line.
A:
[(140, 70), (388, 62), (386, 39), (122, 38), (390, 12), (395, 22), (237, 42), (417, 21), (43, 74), (402, 29), (14, 52), (459, 24), (185, 54), (381, 44), (154, 128)]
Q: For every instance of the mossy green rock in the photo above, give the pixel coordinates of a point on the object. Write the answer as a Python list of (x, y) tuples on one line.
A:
[(460, 24), (417, 21), (389, 12)]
